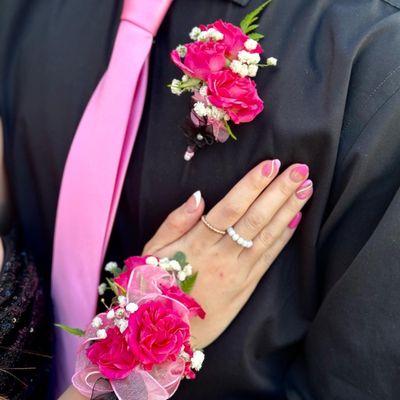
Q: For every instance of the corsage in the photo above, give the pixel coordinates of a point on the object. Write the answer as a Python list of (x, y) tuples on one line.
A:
[(139, 348), (219, 66)]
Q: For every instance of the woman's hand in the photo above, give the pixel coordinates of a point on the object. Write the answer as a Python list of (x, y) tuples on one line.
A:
[(261, 207)]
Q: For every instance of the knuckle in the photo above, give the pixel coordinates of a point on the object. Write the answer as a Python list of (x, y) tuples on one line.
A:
[(266, 260), (233, 210), (267, 238), (256, 184), (253, 222), (285, 189), (293, 205)]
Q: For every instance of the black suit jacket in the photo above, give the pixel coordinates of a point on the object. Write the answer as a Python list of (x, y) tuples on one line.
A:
[(324, 322)]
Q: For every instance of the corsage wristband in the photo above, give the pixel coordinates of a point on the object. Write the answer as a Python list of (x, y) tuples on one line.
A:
[(140, 346)]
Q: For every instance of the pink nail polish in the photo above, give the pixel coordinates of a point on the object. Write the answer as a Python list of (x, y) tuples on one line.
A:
[(299, 173), (293, 224), (194, 201), (305, 190), (270, 168)]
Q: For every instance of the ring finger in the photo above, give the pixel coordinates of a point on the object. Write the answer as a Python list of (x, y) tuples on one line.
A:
[(267, 204), (234, 205), (288, 216)]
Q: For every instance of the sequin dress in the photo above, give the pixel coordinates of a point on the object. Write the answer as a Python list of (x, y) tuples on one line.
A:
[(25, 344)]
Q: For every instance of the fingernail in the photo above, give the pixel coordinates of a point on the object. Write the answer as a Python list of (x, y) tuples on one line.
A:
[(270, 168), (293, 224), (305, 190), (299, 173), (193, 203)]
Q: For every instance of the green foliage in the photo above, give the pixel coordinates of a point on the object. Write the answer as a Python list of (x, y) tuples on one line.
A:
[(188, 283), (256, 36), (229, 130), (113, 286), (72, 331), (248, 23), (116, 271), (252, 28), (181, 258)]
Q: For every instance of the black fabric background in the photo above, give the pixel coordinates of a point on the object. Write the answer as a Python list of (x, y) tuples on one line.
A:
[(324, 322)]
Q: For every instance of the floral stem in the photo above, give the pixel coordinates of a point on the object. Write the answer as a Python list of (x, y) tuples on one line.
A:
[(192, 82), (229, 130)]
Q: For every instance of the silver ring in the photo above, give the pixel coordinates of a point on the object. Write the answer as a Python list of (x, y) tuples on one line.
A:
[(247, 244)]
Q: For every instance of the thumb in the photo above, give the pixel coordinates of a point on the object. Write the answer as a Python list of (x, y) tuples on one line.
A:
[(179, 222)]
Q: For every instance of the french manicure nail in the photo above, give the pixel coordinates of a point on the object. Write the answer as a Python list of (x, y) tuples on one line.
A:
[(305, 190), (270, 168), (194, 201), (299, 173), (293, 224)]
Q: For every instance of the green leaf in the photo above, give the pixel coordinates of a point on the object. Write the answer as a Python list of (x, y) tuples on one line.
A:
[(252, 27), (113, 286), (252, 17), (116, 271), (228, 128), (122, 289), (256, 36), (72, 331), (188, 283), (181, 258)]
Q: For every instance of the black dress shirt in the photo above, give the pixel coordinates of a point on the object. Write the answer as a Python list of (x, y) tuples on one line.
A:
[(324, 322)]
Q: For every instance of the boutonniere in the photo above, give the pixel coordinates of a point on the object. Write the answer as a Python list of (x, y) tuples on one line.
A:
[(219, 65)]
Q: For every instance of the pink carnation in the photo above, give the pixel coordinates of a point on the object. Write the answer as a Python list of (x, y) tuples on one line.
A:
[(112, 355), (237, 96), (174, 292), (202, 58), (156, 333), (234, 38)]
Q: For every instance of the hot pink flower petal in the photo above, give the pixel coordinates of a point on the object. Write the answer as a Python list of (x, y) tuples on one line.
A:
[(202, 58), (234, 38), (112, 355), (174, 292), (237, 96), (157, 332), (176, 59), (130, 263)]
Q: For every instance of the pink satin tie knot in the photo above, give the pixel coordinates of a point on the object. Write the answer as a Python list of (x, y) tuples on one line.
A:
[(148, 18)]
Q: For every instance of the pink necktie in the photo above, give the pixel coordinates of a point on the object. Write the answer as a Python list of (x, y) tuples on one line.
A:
[(94, 175)]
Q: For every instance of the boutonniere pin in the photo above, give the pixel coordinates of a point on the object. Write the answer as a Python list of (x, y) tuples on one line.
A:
[(219, 66)]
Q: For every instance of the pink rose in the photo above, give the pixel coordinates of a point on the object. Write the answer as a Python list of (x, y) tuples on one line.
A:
[(156, 333), (176, 293), (201, 59), (112, 355), (237, 96), (234, 38), (130, 263)]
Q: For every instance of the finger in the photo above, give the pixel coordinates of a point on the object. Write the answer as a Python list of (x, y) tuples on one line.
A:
[(288, 215), (265, 261), (177, 223), (271, 200), (230, 209)]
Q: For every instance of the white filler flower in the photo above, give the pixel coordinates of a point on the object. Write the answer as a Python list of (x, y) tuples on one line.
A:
[(197, 360)]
